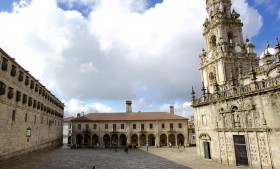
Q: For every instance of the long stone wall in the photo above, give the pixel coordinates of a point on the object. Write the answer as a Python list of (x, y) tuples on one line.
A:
[(26, 103)]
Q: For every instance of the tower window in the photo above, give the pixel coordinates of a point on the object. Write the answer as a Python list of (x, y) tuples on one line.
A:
[(230, 38), (213, 41)]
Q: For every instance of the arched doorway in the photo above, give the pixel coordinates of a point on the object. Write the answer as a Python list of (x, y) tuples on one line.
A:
[(87, 139), (142, 140), (79, 139), (123, 139), (114, 140), (163, 140), (171, 139), (180, 140), (134, 140), (151, 140), (94, 139), (106, 140)]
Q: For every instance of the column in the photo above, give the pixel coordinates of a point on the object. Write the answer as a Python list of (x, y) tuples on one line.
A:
[(138, 140), (167, 139), (118, 141), (176, 140)]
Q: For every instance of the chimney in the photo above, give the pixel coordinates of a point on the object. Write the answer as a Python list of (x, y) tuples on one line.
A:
[(128, 106), (171, 109)]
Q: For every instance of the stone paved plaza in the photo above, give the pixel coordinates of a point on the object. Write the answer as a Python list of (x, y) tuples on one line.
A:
[(164, 158)]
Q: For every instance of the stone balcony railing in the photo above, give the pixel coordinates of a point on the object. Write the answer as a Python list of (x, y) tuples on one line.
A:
[(237, 91)]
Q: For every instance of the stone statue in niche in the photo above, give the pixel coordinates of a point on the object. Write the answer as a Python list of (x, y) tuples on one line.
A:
[(225, 121), (257, 118), (249, 120), (236, 119)]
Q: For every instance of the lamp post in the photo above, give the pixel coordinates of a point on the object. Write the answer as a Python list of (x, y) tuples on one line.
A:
[(28, 133)]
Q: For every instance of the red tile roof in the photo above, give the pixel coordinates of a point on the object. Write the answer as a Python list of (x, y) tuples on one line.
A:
[(135, 116)]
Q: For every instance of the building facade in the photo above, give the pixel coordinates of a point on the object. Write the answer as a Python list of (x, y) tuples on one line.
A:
[(191, 128), (237, 117), (31, 117), (67, 130), (131, 129)]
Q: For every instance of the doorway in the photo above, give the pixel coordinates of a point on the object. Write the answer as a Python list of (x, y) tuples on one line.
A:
[(207, 154), (240, 150)]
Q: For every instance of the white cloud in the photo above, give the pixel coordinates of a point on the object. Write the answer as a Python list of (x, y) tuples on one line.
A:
[(181, 109), (120, 51), (87, 68), (74, 106), (250, 17)]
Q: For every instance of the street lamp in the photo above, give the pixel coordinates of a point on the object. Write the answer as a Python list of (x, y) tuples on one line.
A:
[(28, 133)]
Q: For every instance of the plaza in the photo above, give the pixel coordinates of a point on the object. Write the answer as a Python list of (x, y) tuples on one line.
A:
[(107, 158)]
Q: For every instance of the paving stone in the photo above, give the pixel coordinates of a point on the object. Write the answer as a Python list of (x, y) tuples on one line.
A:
[(164, 158)]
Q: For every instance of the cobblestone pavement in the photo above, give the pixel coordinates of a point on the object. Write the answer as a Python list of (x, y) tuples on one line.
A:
[(164, 158)]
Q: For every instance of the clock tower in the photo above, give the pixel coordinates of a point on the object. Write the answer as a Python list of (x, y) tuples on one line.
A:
[(226, 56)]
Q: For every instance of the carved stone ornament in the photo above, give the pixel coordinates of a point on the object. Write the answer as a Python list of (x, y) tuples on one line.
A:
[(204, 136)]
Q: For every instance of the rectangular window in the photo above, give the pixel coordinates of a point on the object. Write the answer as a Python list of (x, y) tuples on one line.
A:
[(14, 116), (171, 126), (87, 127), (134, 126), (18, 96), (94, 126), (114, 127), (79, 126), (142, 127), (20, 76), (13, 70), (179, 125), (122, 126), (151, 126), (162, 125), (4, 65), (106, 126)]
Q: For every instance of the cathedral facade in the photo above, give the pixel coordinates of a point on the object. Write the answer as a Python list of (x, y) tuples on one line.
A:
[(237, 116), (31, 116)]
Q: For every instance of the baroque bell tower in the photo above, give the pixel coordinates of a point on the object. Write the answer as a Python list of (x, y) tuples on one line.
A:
[(226, 57)]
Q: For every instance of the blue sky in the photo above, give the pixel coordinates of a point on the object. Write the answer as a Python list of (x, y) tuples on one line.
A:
[(95, 54)]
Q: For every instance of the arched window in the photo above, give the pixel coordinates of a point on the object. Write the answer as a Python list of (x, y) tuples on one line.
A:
[(230, 38), (213, 41)]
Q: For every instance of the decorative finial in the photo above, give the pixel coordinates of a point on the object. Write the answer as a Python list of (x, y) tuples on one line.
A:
[(277, 41), (203, 89), (193, 94), (267, 44)]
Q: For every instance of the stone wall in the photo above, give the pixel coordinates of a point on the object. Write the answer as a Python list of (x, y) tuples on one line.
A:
[(26, 103), (254, 117)]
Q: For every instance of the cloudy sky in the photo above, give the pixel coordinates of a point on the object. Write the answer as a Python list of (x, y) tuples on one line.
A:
[(95, 54)]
